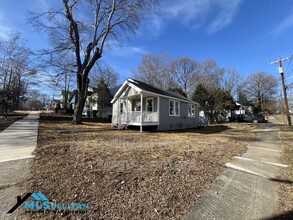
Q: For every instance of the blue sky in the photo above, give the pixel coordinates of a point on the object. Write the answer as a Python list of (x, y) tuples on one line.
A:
[(245, 34)]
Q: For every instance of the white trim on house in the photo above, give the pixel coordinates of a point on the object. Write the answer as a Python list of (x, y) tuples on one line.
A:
[(121, 89), (174, 106)]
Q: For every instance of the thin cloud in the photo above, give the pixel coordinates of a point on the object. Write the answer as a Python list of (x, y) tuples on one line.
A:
[(128, 51), (284, 25), (4, 28), (228, 10), (156, 25), (211, 15)]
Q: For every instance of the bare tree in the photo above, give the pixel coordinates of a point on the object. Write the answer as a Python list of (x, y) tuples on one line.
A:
[(84, 27), (210, 75), (231, 81), (261, 87), (16, 73), (105, 72), (184, 71), (155, 70), (59, 73)]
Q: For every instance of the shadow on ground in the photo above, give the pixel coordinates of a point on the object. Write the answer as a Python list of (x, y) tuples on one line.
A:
[(286, 215), (199, 130), (208, 130), (281, 181)]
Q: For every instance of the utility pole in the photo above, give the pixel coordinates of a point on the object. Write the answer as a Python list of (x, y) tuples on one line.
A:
[(281, 71)]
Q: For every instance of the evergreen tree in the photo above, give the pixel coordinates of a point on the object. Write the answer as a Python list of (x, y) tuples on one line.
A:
[(214, 102), (242, 99), (103, 97)]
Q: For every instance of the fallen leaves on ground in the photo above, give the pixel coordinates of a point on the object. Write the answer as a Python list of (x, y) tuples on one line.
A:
[(124, 174)]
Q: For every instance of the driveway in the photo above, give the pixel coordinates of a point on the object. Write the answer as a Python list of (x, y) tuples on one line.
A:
[(17, 143)]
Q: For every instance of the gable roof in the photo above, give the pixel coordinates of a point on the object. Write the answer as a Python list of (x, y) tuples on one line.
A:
[(152, 89)]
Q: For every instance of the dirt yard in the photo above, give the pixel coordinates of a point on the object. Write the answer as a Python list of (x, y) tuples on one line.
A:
[(124, 174)]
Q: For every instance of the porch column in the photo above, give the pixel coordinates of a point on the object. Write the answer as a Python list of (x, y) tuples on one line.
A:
[(141, 102), (119, 116), (126, 110)]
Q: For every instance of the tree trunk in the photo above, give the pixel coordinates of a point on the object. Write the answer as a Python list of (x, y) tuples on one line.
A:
[(82, 82), (77, 118)]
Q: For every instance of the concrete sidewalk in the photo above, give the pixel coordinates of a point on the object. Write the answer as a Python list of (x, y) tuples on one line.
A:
[(17, 143), (247, 189), (20, 139)]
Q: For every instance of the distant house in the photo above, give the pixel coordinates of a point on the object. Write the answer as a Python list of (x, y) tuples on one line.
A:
[(62, 99), (139, 104), (91, 105), (242, 109), (55, 103)]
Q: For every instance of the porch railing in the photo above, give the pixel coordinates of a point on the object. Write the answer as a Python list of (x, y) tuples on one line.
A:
[(135, 117)]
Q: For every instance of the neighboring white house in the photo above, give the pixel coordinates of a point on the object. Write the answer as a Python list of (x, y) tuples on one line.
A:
[(139, 104), (91, 105)]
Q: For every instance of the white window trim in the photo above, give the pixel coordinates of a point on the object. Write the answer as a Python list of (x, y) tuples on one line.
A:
[(190, 106), (146, 104), (174, 101)]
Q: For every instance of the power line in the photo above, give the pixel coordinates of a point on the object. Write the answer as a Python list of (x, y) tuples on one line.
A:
[(288, 70), (269, 27), (281, 71)]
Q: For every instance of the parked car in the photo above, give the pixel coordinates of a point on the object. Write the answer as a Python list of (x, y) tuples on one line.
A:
[(255, 118)]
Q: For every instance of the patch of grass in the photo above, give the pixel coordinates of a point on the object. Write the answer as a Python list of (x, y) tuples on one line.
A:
[(11, 118), (124, 174)]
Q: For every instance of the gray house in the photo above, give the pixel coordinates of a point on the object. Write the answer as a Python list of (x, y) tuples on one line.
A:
[(139, 104)]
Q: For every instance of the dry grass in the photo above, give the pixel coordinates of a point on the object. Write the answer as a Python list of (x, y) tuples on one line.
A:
[(131, 175), (286, 188)]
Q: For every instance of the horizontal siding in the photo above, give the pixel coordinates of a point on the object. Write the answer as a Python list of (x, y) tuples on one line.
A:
[(176, 122)]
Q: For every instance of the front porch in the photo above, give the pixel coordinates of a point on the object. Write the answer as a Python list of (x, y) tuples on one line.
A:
[(138, 110), (138, 118)]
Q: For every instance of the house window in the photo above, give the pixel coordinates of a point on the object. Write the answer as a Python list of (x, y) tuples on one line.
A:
[(121, 108), (174, 108), (149, 104), (191, 110), (136, 105)]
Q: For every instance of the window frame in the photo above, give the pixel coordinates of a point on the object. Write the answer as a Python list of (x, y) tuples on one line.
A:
[(174, 108), (146, 104), (191, 113)]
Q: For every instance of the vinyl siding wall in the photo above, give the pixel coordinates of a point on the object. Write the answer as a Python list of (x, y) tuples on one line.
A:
[(182, 121)]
